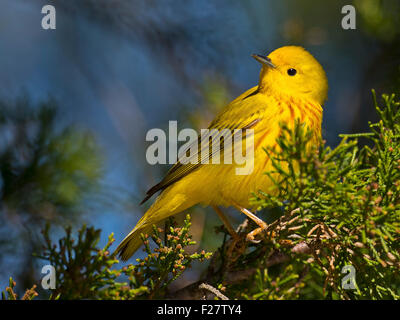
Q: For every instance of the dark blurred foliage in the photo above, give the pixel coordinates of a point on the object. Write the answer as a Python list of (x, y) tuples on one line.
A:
[(189, 40), (170, 30), (45, 175), (380, 21)]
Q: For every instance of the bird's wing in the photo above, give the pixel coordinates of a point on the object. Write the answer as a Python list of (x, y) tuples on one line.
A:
[(239, 114)]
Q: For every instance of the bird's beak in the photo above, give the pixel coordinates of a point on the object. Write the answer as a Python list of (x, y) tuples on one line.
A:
[(264, 60)]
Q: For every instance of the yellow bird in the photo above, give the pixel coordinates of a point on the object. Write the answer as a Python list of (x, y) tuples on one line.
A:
[(292, 85)]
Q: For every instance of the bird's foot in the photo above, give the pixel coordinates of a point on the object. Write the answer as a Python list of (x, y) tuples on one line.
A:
[(262, 226), (252, 235)]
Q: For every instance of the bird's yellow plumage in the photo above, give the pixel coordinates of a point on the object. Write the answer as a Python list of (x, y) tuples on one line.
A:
[(292, 86)]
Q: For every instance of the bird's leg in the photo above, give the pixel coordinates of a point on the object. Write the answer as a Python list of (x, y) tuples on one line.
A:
[(226, 222), (262, 225), (251, 215), (235, 236)]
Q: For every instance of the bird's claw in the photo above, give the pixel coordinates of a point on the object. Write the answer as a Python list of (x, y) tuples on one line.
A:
[(253, 241), (251, 235)]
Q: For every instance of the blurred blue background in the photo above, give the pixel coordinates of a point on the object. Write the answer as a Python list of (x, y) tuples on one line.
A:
[(116, 69)]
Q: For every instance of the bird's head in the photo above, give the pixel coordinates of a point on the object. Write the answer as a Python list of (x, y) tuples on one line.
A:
[(293, 71)]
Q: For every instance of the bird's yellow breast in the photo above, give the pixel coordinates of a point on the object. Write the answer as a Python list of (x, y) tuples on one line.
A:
[(222, 182)]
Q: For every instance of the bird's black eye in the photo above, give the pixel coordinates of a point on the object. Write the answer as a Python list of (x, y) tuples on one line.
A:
[(291, 72)]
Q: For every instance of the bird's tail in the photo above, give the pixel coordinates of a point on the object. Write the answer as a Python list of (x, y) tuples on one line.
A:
[(165, 206), (132, 242)]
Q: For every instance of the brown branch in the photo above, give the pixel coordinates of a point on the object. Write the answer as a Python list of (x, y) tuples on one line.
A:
[(213, 290)]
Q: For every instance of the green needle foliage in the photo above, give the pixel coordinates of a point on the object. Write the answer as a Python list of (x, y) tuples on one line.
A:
[(9, 293), (335, 232), (168, 261), (341, 210), (84, 271)]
